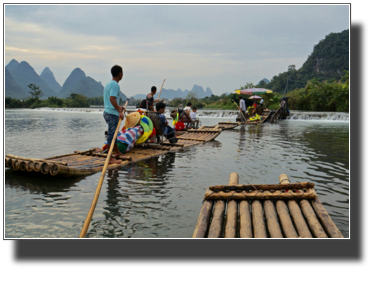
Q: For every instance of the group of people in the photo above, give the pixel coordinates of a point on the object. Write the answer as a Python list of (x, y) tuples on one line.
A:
[(133, 129), (251, 110)]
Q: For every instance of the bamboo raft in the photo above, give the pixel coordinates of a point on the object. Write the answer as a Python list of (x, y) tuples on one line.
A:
[(226, 125), (91, 161), (282, 210), (264, 116)]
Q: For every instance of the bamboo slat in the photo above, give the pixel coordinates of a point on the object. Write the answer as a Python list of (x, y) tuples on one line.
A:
[(15, 165), (245, 221), (23, 165), (30, 159), (232, 211), (272, 220), (329, 226), (216, 225), (259, 228), (264, 195), (281, 186), (285, 219), (311, 218), (295, 212), (30, 166), (203, 219)]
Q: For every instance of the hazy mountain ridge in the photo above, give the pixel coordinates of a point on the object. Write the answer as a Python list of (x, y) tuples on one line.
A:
[(12, 89), (48, 76)]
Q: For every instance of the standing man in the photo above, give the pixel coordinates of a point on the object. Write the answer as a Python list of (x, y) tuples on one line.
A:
[(242, 109), (150, 98), (112, 109)]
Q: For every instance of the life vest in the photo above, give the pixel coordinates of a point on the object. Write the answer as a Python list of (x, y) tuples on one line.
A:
[(147, 125), (254, 118)]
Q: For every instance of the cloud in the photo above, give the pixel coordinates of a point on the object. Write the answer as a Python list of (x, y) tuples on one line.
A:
[(218, 45)]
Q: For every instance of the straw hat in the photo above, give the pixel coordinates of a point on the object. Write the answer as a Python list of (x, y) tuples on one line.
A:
[(131, 120)]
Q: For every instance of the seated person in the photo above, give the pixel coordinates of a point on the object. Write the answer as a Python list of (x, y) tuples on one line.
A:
[(126, 139), (193, 115), (167, 129), (188, 108)]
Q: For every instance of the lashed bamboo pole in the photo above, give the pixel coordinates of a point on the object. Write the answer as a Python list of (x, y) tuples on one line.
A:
[(216, 226), (296, 214), (203, 219), (263, 187), (257, 195), (161, 89), (245, 221), (326, 221), (23, 165), (100, 183), (15, 165), (232, 211), (37, 166), (45, 168), (31, 159), (311, 218), (30, 166), (259, 228), (285, 219), (272, 220), (9, 162)]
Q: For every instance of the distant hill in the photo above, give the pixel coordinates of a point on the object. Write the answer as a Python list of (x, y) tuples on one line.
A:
[(11, 87), (73, 79), (49, 78), (23, 74), (330, 57), (13, 64), (171, 93), (90, 88)]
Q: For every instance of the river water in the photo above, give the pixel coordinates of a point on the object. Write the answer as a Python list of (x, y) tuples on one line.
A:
[(161, 197)]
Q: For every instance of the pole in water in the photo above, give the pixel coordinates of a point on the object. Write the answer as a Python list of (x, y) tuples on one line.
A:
[(100, 183)]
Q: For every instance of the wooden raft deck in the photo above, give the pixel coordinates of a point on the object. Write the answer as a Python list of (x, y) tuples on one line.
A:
[(264, 116), (225, 125), (264, 211), (89, 161)]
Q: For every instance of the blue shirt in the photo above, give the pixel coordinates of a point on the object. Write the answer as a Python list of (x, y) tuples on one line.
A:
[(111, 89), (163, 120)]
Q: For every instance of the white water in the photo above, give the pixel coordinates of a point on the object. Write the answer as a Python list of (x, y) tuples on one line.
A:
[(295, 114)]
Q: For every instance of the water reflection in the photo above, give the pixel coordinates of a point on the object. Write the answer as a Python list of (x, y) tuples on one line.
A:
[(134, 194)]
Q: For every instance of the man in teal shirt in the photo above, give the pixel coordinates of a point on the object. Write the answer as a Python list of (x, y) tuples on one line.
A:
[(112, 109)]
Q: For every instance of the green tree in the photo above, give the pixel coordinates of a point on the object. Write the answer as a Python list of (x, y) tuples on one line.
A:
[(35, 91)]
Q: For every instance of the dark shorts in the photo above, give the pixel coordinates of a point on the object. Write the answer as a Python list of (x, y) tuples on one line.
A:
[(112, 122)]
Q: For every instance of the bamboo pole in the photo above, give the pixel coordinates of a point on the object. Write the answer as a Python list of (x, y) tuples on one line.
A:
[(31, 159), (23, 165), (259, 227), (37, 166), (100, 183), (257, 195), (203, 219), (9, 163), (313, 223), (285, 219), (272, 220), (296, 214), (241, 112), (45, 168), (30, 166), (216, 226), (232, 211), (245, 221), (326, 221), (263, 187), (65, 155), (15, 165), (161, 89)]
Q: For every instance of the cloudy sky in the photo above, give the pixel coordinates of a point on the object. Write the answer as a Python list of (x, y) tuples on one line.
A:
[(216, 46)]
